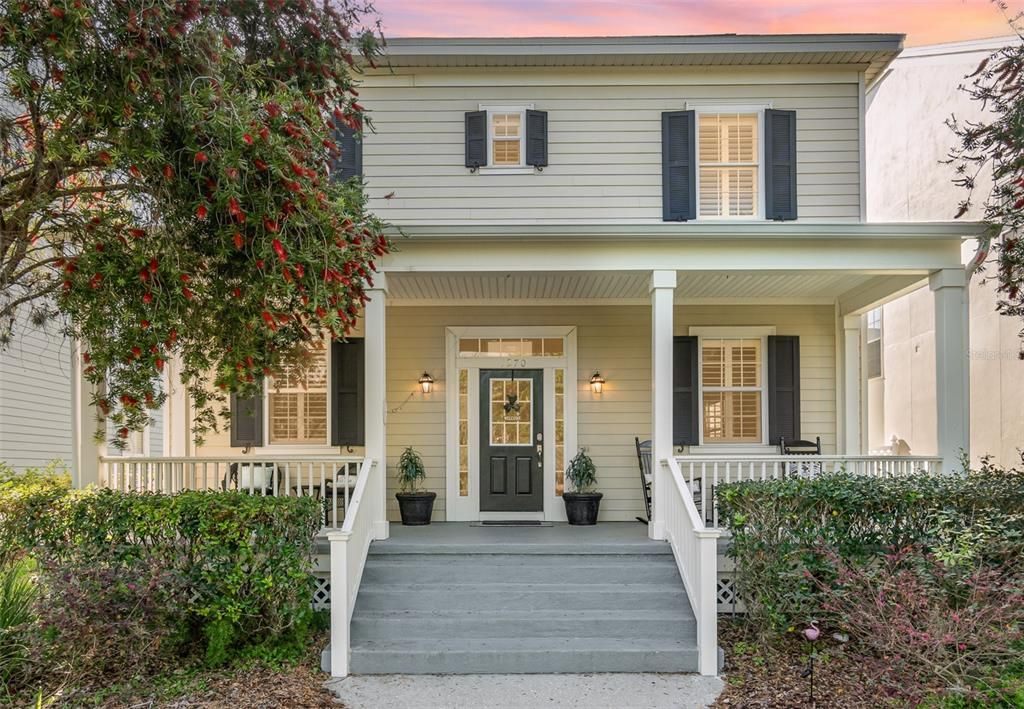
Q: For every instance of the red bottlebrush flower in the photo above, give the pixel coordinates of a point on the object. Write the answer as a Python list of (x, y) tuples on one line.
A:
[(171, 337), (237, 292), (232, 173), (86, 358), (292, 186), (260, 263), (187, 293), (153, 264), (147, 298), (96, 280), (239, 241), (103, 157), (264, 133), (144, 324), (270, 225), (300, 270), (168, 172), (233, 207), (273, 110), (136, 351), (278, 247), (135, 172), (260, 165), (1019, 203), (57, 12), (298, 169), (123, 432), (159, 364), (269, 319), (286, 274), (185, 278), (248, 139), (201, 211), (144, 275), (137, 233)]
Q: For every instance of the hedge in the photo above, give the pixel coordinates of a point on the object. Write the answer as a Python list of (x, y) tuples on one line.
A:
[(144, 581), (788, 536)]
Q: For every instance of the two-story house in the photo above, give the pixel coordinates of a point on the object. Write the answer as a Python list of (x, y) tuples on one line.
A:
[(600, 240)]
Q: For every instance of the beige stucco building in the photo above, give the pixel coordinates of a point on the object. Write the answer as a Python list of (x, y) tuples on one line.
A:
[(907, 140)]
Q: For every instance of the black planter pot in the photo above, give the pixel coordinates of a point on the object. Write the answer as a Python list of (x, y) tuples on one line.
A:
[(416, 507), (582, 507)]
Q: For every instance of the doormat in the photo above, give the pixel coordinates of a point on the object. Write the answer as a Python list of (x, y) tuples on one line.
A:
[(511, 523)]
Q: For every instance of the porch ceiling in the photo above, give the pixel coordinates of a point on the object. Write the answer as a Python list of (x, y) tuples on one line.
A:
[(826, 286)]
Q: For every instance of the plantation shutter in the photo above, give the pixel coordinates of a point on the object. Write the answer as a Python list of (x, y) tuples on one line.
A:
[(685, 414), (780, 165), (476, 139), (783, 388), (349, 163), (246, 421), (348, 392), (537, 138), (678, 166)]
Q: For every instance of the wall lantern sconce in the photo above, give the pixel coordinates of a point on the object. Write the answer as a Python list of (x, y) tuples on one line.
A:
[(426, 383), (597, 383)]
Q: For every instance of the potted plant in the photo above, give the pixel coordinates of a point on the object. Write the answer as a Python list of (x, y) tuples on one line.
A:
[(582, 505), (416, 505)]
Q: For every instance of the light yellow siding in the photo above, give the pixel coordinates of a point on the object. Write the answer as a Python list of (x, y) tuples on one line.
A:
[(604, 140)]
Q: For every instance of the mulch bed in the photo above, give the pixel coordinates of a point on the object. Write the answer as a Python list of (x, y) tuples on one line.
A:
[(761, 675), (300, 687)]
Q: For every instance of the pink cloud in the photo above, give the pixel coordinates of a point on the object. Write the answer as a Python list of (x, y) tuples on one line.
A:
[(924, 21)]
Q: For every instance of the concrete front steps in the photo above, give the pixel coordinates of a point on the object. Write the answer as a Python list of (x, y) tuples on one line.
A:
[(522, 606)]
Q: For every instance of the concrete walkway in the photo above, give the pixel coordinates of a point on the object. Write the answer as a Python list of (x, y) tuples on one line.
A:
[(587, 691)]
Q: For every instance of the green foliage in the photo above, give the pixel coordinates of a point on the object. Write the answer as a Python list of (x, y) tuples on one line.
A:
[(17, 596), (411, 472), (581, 472), (25, 501), (789, 534), (165, 176)]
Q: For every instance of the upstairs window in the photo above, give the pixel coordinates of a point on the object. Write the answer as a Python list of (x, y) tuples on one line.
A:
[(729, 169), (507, 137)]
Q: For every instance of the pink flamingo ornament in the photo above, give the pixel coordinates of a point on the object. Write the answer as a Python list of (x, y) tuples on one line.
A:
[(812, 633)]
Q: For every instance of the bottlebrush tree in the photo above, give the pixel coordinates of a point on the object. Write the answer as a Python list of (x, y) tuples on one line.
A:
[(165, 181), (995, 145)]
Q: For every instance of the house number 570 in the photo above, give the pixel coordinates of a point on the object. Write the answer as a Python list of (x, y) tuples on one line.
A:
[(515, 362)]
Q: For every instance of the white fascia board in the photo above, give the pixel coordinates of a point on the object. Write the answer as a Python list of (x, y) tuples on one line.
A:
[(697, 230)]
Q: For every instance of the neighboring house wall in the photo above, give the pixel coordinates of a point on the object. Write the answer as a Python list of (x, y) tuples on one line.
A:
[(907, 139), (35, 398), (604, 140)]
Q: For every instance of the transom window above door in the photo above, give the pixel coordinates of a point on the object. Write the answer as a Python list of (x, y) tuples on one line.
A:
[(511, 347), (729, 170), (732, 389)]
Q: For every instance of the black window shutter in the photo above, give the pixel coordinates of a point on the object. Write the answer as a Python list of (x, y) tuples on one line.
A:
[(537, 138), (783, 388), (348, 390), (349, 163), (476, 139), (685, 415), (780, 165), (246, 421), (678, 166)]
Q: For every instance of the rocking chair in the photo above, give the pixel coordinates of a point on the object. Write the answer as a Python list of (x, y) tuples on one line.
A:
[(643, 458)]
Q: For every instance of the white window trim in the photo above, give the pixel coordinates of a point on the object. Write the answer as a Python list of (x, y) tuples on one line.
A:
[(748, 333), (755, 108), (522, 168)]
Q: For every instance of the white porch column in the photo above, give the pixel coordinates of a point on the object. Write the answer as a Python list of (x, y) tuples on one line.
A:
[(376, 397), (663, 286), (952, 368), (853, 413), (86, 452), (177, 435)]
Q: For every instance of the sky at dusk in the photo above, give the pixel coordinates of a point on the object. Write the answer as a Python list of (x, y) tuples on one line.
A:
[(923, 21)]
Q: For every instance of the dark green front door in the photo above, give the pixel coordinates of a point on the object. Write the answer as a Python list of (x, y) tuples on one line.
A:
[(511, 440)]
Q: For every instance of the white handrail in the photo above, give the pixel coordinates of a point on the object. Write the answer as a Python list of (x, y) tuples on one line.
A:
[(349, 547), (695, 549)]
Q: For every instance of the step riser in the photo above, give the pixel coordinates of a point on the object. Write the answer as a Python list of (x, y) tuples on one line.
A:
[(540, 662), (485, 627), (512, 598), (484, 573)]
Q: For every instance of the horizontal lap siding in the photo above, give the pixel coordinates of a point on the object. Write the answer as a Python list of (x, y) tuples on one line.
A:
[(615, 340), (815, 326), (605, 141), (35, 398)]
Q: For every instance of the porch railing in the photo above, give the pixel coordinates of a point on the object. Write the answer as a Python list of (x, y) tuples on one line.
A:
[(332, 479), (703, 475), (695, 548), (349, 547)]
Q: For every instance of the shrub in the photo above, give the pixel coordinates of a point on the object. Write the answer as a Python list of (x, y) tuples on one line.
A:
[(581, 472), (25, 502), (930, 620), (788, 533), (17, 595)]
